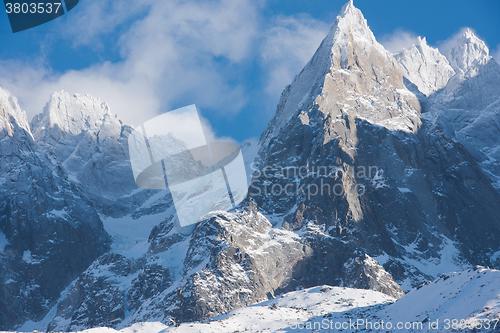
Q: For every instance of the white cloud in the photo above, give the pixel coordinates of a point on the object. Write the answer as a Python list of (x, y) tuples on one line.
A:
[(397, 40), (33, 86), (287, 47), (94, 19), (173, 53), (169, 56)]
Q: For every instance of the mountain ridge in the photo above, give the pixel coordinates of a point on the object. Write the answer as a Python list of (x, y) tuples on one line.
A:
[(350, 109)]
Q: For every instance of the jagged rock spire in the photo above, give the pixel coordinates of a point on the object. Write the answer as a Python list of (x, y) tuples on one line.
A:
[(12, 116), (425, 67), (352, 61), (469, 52)]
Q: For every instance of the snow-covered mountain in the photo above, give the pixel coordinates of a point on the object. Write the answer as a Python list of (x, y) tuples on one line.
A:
[(361, 78), (425, 67), (416, 212), (468, 108), (372, 178), (50, 231), (462, 94), (457, 302)]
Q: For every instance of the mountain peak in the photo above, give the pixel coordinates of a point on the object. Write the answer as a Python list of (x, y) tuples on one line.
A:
[(421, 46), (11, 115), (351, 61), (469, 52), (468, 33), (425, 67), (350, 39), (351, 18), (347, 8), (72, 114)]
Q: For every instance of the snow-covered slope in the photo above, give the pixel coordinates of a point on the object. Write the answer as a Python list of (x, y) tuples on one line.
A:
[(82, 134), (457, 302), (276, 315), (290, 310), (468, 54), (463, 299), (425, 67), (11, 115), (375, 196), (74, 115), (463, 94), (50, 232), (468, 108)]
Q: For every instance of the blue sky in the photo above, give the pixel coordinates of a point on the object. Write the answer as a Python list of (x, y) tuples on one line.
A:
[(232, 58)]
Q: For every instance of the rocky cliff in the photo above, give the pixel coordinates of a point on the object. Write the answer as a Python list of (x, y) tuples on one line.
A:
[(378, 171)]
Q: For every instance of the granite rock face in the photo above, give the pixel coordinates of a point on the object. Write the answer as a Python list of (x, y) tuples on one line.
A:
[(461, 94), (354, 186), (405, 191), (61, 177), (82, 134), (350, 74), (366, 273), (52, 232), (230, 261), (364, 179)]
